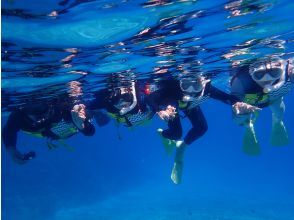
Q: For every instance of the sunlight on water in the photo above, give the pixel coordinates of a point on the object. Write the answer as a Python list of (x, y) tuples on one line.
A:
[(56, 50), (147, 38)]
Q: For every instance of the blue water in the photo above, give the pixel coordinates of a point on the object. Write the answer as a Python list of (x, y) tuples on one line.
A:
[(106, 177)]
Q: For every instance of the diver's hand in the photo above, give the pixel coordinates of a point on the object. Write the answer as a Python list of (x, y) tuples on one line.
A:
[(23, 158), (168, 114), (29, 156), (291, 70), (78, 114), (242, 108)]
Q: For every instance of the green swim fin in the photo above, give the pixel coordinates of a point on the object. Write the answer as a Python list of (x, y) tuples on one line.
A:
[(250, 143), (176, 174), (168, 144), (279, 136)]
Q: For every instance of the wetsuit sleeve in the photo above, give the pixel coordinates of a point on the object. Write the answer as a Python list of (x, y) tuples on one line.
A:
[(168, 93), (100, 101), (153, 100), (11, 128), (89, 128), (237, 88), (224, 97)]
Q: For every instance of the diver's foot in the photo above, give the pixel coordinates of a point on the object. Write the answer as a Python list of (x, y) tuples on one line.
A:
[(168, 144), (279, 136), (250, 143), (180, 144), (176, 175)]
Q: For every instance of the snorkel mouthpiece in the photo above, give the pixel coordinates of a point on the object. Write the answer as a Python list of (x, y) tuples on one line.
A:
[(125, 110)]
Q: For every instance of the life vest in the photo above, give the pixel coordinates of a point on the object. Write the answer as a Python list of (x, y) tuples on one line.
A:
[(132, 119), (63, 129), (256, 99)]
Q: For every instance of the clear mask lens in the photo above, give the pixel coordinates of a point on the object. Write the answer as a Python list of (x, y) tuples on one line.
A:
[(190, 86), (274, 73)]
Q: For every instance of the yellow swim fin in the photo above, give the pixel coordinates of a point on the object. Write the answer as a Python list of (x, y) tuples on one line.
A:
[(279, 136), (168, 144), (250, 143)]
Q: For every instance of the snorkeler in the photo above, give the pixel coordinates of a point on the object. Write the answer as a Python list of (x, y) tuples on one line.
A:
[(186, 94), (54, 121), (262, 84), (125, 103)]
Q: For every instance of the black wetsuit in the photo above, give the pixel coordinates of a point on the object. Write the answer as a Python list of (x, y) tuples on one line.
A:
[(170, 93), (44, 124)]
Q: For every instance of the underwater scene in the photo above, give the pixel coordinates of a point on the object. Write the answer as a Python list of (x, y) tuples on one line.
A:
[(147, 110)]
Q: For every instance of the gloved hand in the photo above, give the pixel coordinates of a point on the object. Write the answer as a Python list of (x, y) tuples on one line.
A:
[(78, 114), (22, 158), (167, 114), (242, 112), (241, 108), (291, 70), (29, 156)]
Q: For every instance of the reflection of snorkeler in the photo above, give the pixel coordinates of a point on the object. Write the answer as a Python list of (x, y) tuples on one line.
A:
[(187, 94), (44, 120), (262, 84)]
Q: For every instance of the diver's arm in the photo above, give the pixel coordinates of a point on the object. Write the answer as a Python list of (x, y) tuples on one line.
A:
[(153, 100), (79, 118), (168, 90), (89, 128), (237, 88), (291, 70), (9, 136), (224, 97), (101, 100)]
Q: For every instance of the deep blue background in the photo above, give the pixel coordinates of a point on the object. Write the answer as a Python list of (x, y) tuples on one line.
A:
[(103, 166), (108, 179)]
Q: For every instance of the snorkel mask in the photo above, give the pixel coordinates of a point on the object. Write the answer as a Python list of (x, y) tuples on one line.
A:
[(269, 75), (127, 99), (193, 87), (124, 101), (190, 85)]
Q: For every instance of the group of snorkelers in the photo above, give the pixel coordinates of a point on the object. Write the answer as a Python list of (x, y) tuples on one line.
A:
[(262, 83)]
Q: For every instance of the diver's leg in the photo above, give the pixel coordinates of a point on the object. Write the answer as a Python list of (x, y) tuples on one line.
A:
[(279, 136), (174, 131), (199, 128), (9, 135), (199, 124), (171, 134)]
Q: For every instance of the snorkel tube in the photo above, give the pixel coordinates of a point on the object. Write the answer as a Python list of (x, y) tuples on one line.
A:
[(125, 110)]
